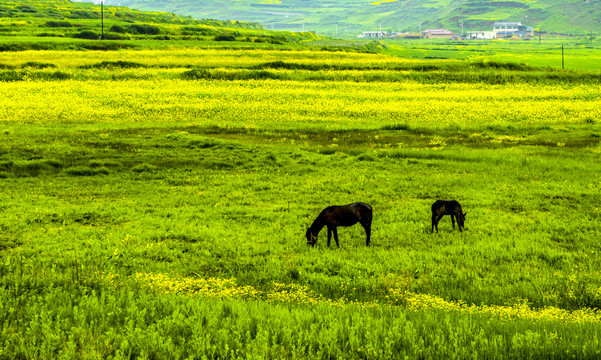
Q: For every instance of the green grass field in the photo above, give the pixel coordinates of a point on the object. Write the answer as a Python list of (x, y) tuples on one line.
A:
[(154, 205), (578, 55), (156, 189)]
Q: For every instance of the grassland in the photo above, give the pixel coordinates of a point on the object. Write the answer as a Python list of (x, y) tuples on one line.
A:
[(155, 191), (154, 203), (577, 55)]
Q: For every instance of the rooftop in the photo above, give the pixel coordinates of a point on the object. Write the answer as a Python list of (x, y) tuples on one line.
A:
[(438, 31), (508, 23)]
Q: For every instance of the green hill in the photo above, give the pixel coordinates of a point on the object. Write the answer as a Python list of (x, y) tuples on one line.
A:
[(347, 18), (65, 10), (54, 24)]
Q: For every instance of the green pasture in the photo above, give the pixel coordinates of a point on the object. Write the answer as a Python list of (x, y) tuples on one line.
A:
[(155, 190), (128, 187), (577, 54)]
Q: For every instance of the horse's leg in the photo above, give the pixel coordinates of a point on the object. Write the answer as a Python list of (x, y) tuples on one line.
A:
[(453, 220), (330, 235), (434, 223), (437, 220), (335, 230), (367, 226)]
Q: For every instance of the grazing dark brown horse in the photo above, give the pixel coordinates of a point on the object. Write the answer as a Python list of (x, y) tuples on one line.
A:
[(441, 208), (346, 215)]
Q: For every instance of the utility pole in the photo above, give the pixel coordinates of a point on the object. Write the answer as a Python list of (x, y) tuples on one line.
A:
[(562, 67), (102, 20)]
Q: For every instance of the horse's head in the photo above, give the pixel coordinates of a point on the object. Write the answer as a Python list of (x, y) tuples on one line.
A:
[(311, 237), (461, 219)]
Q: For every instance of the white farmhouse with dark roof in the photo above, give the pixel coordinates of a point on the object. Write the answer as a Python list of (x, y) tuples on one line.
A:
[(509, 29)]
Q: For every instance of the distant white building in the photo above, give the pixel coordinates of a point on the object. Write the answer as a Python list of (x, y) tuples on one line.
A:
[(373, 34), (502, 30), (506, 27), (509, 29), (481, 35)]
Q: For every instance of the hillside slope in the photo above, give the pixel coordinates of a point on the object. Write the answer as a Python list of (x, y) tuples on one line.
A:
[(65, 10), (350, 17), (63, 24)]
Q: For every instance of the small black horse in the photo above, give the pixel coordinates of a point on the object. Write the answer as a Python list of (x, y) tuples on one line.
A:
[(346, 215), (441, 208)]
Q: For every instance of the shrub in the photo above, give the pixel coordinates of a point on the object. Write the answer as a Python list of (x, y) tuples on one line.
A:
[(590, 120), (83, 14), (6, 165), (142, 29), (366, 157), (196, 74), (87, 171), (10, 75), (27, 9), (118, 29), (501, 65), (327, 151), (201, 144), (30, 167), (224, 38), (55, 75), (396, 127), (114, 36), (218, 165), (58, 24), (114, 64), (143, 168), (281, 65), (104, 163), (105, 46), (87, 34), (37, 65), (260, 75), (47, 34)]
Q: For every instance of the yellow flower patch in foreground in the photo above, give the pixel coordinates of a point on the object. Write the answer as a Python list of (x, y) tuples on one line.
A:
[(300, 294)]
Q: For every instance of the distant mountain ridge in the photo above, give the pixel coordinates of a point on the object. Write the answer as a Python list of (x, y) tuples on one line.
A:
[(348, 18)]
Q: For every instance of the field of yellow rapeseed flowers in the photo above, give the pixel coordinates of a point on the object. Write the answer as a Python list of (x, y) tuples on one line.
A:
[(290, 104)]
